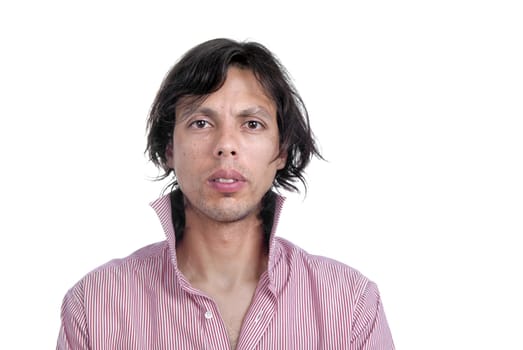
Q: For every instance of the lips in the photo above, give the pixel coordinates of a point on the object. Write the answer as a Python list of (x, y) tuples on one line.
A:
[(226, 176), (227, 181)]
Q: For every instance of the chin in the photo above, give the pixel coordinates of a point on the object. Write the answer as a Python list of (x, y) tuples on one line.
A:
[(229, 213)]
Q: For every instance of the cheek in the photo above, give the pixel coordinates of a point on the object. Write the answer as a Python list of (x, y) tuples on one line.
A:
[(266, 156), (185, 156)]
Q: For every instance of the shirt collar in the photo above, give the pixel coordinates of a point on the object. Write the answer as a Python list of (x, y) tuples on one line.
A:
[(162, 207)]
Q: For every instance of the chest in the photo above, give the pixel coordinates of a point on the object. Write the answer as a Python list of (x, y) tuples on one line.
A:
[(233, 307), (228, 321)]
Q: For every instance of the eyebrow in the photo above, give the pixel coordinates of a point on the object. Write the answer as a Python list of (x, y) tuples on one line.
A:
[(191, 109), (197, 109), (257, 111)]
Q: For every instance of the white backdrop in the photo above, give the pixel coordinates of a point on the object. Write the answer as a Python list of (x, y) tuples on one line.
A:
[(417, 107)]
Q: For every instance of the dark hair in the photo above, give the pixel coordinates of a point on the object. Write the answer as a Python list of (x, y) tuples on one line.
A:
[(202, 71), (268, 208)]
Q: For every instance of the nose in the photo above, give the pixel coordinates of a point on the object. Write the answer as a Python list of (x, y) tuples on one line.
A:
[(226, 144), (225, 152)]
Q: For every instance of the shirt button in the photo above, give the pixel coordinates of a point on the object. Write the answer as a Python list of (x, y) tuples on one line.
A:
[(208, 315)]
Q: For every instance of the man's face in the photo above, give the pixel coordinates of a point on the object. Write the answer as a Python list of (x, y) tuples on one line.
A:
[(225, 151)]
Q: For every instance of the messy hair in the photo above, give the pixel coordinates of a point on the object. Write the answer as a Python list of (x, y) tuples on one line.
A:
[(202, 71)]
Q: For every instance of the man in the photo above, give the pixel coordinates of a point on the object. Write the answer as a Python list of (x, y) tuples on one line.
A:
[(230, 127)]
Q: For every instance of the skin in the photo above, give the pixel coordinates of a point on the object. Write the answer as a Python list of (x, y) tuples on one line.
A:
[(234, 130)]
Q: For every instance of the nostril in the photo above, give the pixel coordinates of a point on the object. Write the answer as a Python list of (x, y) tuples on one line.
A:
[(221, 153)]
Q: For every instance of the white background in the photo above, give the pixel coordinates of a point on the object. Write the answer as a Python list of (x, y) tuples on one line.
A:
[(417, 106)]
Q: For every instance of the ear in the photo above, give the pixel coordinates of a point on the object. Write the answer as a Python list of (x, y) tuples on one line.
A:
[(281, 161), (169, 155)]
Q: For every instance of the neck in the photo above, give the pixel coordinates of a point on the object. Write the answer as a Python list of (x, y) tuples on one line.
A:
[(224, 255), (268, 209)]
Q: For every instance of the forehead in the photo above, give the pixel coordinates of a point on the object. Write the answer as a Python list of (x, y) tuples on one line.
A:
[(240, 87), (242, 80)]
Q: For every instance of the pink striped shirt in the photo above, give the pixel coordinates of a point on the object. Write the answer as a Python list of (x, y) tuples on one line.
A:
[(144, 302)]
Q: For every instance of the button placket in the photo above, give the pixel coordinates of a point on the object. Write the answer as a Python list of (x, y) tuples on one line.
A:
[(213, 330), (258, 317), (208, 314)]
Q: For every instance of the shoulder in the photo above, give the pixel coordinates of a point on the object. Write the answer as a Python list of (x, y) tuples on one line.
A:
[(144, 262), (138, 260), (323, 271), (329, 290)]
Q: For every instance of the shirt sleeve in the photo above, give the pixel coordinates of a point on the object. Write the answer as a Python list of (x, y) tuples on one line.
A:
[(73, 333), (370, 328)]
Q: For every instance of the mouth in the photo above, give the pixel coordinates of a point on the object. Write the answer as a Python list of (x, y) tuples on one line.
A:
[(226, 176), (224, 181), (227, 181)]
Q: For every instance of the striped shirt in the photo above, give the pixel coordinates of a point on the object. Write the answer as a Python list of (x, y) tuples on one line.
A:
[(143, 301)]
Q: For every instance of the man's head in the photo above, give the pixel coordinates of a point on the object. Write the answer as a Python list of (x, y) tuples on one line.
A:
[(202, 71)]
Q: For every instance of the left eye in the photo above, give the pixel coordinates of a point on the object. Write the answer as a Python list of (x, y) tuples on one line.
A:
[(253, 124)]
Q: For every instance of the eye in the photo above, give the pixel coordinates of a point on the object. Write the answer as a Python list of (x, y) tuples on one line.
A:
[(199, 124), (253, 125)]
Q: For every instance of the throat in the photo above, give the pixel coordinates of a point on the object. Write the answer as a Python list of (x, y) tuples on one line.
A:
[(221, 270)]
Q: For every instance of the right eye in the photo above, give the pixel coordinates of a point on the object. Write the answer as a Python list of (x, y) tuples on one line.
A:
[(199, 124)]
